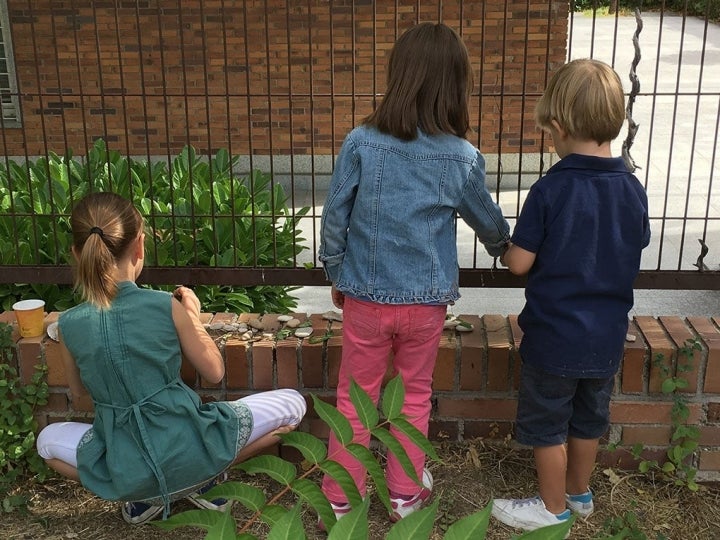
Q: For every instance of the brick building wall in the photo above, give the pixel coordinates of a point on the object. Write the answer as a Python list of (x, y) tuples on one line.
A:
[(475, 380), (260, 77)]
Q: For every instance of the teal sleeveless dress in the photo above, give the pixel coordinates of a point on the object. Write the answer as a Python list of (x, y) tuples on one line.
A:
[(152, 439)]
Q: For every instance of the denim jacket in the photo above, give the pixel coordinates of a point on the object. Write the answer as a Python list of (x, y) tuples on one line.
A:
[(388, 229)]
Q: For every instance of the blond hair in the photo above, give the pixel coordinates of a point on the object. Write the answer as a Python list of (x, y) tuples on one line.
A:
[(104, 226), (429, 81), (586, 99)]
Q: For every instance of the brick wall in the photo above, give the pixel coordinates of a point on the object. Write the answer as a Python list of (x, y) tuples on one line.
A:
[(256, 76), (475, 381)]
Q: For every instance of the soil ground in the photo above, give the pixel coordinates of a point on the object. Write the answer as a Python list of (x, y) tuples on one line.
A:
[(470, 475)]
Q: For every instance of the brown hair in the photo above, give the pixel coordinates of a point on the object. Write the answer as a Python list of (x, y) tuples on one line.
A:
[(104, 225), (429, 81), (586, 98)]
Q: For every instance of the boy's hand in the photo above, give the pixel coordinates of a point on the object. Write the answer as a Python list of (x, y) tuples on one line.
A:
[(338, 298)]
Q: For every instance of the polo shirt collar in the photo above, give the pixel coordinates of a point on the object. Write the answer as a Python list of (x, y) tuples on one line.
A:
[(581, 161)]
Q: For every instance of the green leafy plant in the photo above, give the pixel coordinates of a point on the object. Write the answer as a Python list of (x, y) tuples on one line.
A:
[(679, 467), (625, 527), (18, 457), (286, 522), (198, 213)]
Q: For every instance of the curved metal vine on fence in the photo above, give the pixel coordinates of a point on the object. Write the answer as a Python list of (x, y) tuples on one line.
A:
[(632, 125)]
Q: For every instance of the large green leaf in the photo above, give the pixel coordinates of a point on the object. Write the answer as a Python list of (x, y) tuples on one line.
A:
[(353, 525), (249, 496), (470, 527), (369, 461), (366, 410), (335, 420), (192, 518), (288, 527), (394, 446), (393, 398), (276, 468), (340, 474), (415, 435), (312, 448), (224, 529)]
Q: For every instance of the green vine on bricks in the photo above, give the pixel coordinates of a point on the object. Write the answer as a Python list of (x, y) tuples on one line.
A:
[(18, 457), (684, 440), (285, 522)]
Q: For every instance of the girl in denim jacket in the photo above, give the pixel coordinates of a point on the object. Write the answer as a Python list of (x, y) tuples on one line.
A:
[(388, 240)]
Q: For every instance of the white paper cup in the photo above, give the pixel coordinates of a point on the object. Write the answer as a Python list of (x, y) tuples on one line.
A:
[(30, 317)]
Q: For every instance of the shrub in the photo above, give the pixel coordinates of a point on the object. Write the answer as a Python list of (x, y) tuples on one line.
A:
[(286, 522), (198, 213), (18, 457)]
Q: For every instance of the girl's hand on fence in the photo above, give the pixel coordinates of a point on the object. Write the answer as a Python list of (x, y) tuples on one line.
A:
[(338, 298)]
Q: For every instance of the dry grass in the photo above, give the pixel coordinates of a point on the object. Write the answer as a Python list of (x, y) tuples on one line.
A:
[(469, 477)]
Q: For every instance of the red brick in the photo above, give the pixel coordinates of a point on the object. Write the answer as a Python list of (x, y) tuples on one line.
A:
[(443, 430), (633, 365), (444, 372), (472, 354), (709, 460), (710, 337), (499, 352), (472, 429), (57, 402), (488, 409), (237, 367), (713, 412), (646, 435), (262, 365), (224, 318), (28, 357), (286, 353), (648, 412), (515, 331), (686, 368), (312, 364), (621, 458), (709, 436), (82, 403), (333, 353), (56, 367), (662, 351)]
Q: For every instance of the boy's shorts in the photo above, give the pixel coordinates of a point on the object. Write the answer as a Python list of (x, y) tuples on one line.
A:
[(551, 407)]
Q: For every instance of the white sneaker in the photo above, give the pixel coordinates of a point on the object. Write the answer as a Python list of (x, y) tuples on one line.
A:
[(527, 514), (403, 507), (582, 504)]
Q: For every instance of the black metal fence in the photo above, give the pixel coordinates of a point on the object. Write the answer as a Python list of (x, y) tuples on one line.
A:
[(221, 120)]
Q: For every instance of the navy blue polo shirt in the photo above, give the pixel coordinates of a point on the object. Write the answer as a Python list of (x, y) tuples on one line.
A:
[(587, 222)]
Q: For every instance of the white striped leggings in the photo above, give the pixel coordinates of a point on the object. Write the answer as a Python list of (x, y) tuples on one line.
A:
[(270, 410)]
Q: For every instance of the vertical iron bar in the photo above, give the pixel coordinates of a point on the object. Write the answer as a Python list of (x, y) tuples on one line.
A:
[(692, 145), (81, 91), (190, 147), (168, 140), (101, 81), (143, 93), (269, 100), (251, 150), (212, 217), (233, 223), (123, 99)]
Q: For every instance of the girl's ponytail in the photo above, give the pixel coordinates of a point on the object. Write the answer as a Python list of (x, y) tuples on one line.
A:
[(104, 225)]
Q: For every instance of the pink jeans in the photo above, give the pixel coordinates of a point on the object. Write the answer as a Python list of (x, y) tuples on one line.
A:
[(371, 332)]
